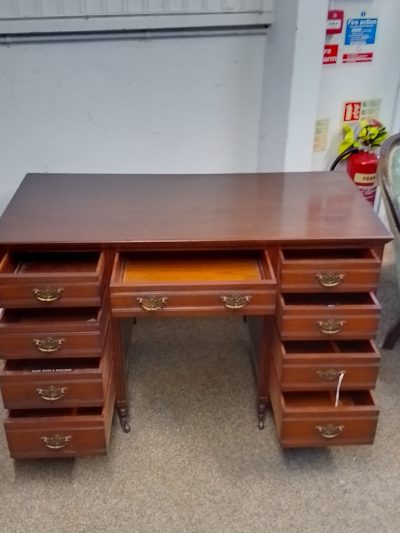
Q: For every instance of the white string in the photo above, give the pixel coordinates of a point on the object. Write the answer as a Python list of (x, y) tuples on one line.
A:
[(339, 384)]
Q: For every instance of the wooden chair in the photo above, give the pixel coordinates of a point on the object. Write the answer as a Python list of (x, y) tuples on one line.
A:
[(389, 179)]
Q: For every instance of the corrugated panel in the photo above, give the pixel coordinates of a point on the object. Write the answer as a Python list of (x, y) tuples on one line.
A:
[(69, 15)]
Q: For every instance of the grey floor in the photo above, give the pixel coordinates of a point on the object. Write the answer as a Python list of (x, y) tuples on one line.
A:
[(195, 460)]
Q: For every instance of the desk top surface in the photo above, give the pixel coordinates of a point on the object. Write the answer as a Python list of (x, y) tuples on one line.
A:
[(189, 210)]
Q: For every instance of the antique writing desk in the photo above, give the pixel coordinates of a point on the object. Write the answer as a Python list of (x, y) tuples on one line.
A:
[(81, 255)]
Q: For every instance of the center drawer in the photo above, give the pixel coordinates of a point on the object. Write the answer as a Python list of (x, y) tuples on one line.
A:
[(51, 279), (33, 333), (193, 283), (332, 315)]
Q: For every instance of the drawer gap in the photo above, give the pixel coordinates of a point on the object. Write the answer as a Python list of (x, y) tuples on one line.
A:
[(68, 412), (321, 253), (329, 347), (48, 315), (48, 367), (328, 299), (317, 399), (51, 263)]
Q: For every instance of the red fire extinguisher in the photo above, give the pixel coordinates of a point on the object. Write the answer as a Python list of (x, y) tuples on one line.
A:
[(361, 167)]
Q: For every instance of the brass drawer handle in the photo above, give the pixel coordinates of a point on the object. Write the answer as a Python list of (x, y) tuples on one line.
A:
[(152, 303), (47, 294), (51, 393), (330, 326), (330, 431), (235, 301), (329, 374), (56, 441), (329, 279), (48, 344)]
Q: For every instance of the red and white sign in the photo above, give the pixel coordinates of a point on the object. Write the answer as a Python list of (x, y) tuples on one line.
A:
[(330, 54), (334, 24), (358, 57), (352, 111)]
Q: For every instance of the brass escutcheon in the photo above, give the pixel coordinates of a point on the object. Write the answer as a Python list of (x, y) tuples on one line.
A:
[(330, 326), (47, 294), (235, 301), (48, 344), (329, 279), (152, 303), (329, 374), (330, 431), (56, 441), (51, 393)]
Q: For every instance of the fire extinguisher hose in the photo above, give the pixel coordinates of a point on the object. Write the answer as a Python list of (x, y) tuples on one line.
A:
[(344, 154)]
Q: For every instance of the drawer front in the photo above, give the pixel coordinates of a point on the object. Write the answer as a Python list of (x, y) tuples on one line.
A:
[(49, 333), (81, 433), (73, 383), (360, 273), (328, 316), (193, 303), (51, 280), (193, 284), (333, 327), (308, 424), (322, 366)]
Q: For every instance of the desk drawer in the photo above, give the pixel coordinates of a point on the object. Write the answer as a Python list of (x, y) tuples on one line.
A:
[(193, 284), (33, 333), (317, 365), (305, 419), (51, 279), (54, 383), (38, 433), (333, 270), (328, 316)]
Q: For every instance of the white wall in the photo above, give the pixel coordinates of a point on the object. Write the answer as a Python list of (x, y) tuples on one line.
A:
[(163, 105), (353, 82)]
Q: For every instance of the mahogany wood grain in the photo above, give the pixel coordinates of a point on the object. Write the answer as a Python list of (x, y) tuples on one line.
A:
[(188, 211)]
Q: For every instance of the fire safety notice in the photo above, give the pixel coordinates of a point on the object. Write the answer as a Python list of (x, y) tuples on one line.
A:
[(359, 39)]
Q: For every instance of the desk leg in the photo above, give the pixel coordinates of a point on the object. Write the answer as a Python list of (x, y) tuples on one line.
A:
[(260, 331), (121, 336)]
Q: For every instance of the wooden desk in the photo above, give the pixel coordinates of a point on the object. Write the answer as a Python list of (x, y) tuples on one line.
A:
[(77, 253)]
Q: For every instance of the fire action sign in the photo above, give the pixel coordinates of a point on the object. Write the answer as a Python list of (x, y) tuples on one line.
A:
[(359, 39)]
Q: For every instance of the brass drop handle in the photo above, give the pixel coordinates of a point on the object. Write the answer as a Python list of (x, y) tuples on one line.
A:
[(51, 393), (47, 294), (329, 374), (56, 441), (329, 279), (330, 431), (330, 326), (48, 344), (235, 301), (152, 303)]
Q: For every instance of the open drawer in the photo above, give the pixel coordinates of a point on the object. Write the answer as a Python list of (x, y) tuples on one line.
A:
[(326, 269), (192, 283), (318, 365), (37, 433), (54, 383), (33, 333), (54, 279), (327, 316), (311, 418)]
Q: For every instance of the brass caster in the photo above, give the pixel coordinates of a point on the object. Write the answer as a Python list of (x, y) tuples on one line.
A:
[(261, 424), (125, 425)]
